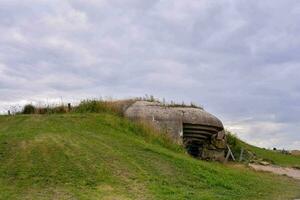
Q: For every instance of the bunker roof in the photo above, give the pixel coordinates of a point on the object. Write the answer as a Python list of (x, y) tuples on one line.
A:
[(159, 111)]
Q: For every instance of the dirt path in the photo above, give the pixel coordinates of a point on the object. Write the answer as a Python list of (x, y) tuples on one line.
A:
[(294, 173)]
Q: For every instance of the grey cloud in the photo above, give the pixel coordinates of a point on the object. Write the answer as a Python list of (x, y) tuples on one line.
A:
[(237, 58)]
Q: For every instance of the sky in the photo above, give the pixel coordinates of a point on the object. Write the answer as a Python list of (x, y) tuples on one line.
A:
[(239, 59)]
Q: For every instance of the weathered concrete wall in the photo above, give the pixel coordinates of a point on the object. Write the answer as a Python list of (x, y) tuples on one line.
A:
[(189, 126)]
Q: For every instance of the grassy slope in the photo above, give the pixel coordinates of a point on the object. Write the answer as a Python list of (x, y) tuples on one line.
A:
[(102, 156), (274, 157)]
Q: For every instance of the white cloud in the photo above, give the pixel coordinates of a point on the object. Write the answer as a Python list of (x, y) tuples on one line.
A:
[(267, 134)]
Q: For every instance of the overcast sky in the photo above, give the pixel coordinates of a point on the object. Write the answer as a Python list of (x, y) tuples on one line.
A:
[(240, 59)]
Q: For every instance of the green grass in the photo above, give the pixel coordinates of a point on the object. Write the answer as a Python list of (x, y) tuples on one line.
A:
[(273, 157), (104, 156)]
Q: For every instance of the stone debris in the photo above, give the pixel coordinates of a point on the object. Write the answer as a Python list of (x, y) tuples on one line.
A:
[(264, 163)]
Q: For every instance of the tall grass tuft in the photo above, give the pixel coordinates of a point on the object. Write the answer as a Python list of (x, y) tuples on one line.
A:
[(102, 106), (86, 106), (155, 135)]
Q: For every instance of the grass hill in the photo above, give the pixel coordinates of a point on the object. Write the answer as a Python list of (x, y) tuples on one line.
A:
[(273, 157), (104, 156)]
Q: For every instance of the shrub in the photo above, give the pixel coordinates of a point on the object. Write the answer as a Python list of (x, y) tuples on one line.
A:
[(28, 109), (233, 142)]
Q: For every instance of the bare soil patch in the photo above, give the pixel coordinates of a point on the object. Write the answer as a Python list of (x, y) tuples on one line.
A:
[(290, 172)]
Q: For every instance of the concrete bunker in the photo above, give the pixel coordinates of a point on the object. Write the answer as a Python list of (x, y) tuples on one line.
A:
[(201, 133)]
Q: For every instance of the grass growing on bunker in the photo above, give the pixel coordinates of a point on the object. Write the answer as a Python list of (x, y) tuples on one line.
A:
[(94, 106), (104, 156)]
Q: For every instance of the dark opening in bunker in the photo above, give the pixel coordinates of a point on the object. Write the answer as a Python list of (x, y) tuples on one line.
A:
[(194, 149), (195, 136)]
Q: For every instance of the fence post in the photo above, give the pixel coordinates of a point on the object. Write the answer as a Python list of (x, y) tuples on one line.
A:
[(241, 155), (229, 153), (69, 107)]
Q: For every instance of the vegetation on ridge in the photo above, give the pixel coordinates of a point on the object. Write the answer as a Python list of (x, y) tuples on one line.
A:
[(95, 106)]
